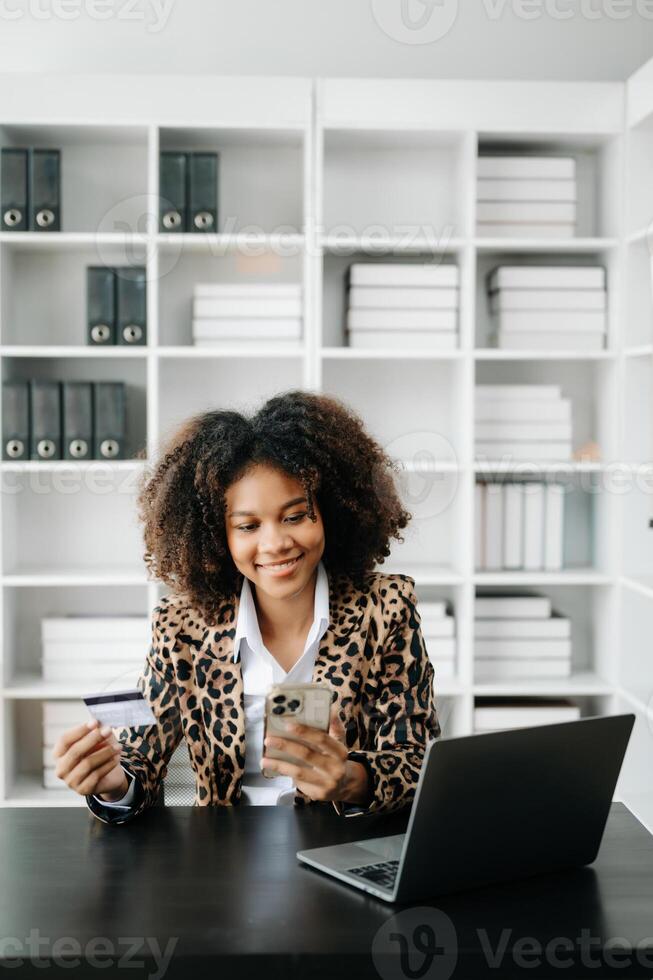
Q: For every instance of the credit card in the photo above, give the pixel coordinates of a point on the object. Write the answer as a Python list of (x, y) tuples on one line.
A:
[(120, 709)]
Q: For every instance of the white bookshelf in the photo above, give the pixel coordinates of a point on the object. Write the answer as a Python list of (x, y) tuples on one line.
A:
[(314, 175)]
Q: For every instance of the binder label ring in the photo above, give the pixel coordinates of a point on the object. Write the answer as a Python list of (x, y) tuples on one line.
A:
[(12, 217), (109, 448), (45, 448), (15, 448), (78, 448), (100, 333), (203, 220), (171, 219), (45, 218)]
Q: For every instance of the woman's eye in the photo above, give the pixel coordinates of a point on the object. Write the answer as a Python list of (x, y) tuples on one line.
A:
[(295, 518)]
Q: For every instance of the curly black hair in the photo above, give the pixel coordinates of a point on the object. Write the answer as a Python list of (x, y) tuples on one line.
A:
[(315, 438)]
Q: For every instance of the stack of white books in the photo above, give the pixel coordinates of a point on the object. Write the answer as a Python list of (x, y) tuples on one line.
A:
[(403, 305), (226, 314), (438, 630), (493, 715), (519, 526), (94, 650), (522, 422), (521, 196), (548, 307), (518, 637), (59, 717)]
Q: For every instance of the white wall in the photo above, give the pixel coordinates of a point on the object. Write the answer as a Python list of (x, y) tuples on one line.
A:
[(548, 39)]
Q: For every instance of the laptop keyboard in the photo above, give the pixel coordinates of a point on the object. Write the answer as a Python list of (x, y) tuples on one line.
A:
[(383, 873)]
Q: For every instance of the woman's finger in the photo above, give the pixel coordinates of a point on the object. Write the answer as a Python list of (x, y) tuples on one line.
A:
[(312, 757), (319, 740)]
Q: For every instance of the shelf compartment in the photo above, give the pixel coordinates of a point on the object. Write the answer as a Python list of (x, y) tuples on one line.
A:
[(260, 175), (44, 296), (103, 173), (393, 184)]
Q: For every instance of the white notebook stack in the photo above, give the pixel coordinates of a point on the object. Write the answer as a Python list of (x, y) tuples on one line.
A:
[(548, 307), (496, 715), (518, 637), (519, 526), (59, 717), (403, 305), (522, 422), (240, 313), (438, 630), (94, 650), (521, 196)]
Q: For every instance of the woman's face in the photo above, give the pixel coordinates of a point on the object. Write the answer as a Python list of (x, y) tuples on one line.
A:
[(267, 524)]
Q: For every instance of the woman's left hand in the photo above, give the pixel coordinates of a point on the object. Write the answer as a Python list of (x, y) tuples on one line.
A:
[(325, 772)]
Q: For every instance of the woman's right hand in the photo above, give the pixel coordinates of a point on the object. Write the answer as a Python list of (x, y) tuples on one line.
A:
[(87, 761)]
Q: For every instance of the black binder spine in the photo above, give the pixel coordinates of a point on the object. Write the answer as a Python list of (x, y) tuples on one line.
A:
[(13, 189), (173, 191), (203, 192), (45, 190), (132, 305), (100, 305), (45, 411), (108, 420), (15, 420), (77, 398)]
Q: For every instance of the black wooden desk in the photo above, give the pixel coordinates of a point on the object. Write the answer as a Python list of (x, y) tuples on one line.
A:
[(223, 887)]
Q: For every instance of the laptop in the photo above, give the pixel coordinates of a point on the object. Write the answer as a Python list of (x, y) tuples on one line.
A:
[(493, 807)]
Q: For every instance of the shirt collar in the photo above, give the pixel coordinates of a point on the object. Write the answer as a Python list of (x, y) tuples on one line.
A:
[(247, 626)]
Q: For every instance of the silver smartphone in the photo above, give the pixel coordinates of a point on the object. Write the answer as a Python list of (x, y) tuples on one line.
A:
[(306, 704)]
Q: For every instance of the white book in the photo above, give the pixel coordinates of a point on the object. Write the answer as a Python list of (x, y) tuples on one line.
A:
[(402, 319), (496, 431), (503, 648), (516, 340), (403, 298), (404, 339), (440, 648), (223, 328), (68, 713), (96, 628), (526, 211), (547, 299), (435, 628), (85, 651), (512, 607), (546, 277), (443, 669), (526, 167), (525, 189), (244, 306), (520, 229), (234, 344), (94, 674), (551, 628), (533, 494), (545, 452), (552, 321), (403, 274), (498, 718), (554, 526), (509, 670), (479, 525), (434, 609), (504, 392), (524, 410), (247, 290), (512, 526), (493, 526), (279, 290)]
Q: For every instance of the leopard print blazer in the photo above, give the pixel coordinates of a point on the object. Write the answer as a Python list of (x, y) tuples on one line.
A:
[(372, 655)]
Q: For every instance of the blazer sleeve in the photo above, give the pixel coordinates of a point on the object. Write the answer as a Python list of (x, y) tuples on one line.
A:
[(403, 718), (146, 750)]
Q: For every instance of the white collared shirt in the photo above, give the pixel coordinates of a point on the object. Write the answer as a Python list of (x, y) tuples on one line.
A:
[(260, 671)]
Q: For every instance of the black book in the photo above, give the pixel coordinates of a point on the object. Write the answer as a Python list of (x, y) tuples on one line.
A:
[(15, 420), (203, 193), (45, 190), (13, 189), (77, 419), (109, 420), (45, 412), (131, 287), (173, 191), (100, 305)]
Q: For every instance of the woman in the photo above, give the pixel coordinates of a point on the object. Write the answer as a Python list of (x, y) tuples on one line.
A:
[(267, 530)]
